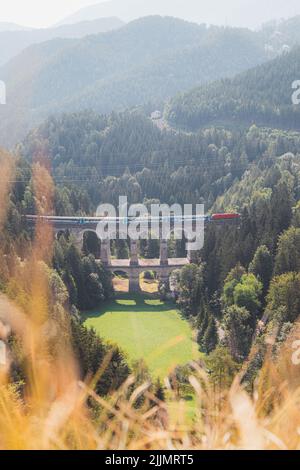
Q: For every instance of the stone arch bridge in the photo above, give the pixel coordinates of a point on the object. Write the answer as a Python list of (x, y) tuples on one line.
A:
[(133, 266)]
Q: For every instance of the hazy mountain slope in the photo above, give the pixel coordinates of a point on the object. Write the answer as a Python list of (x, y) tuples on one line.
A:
[(147, 60), (262, 95), (172, 72), (64, 67), (129, 10), (13, 42), (280, 35), (245, 13), (5, 26)]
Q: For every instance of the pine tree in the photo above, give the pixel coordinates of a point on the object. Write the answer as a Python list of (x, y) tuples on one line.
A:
[(202, 322), (262, 266), (210, 338)]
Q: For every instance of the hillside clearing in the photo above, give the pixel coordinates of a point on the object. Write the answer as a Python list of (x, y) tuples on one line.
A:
[(146, 328)]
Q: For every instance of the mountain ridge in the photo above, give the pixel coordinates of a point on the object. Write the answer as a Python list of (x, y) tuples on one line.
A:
[(243, 13), (13, 42), (8, 26), (128, 67)]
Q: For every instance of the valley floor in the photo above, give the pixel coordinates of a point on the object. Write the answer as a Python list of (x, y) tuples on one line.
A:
[(146, 328)]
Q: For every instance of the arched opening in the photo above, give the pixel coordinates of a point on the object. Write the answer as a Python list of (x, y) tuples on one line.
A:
[(120, 249), (149, 281), (120, 281), (149, 248), (177, 244), (91, 244)]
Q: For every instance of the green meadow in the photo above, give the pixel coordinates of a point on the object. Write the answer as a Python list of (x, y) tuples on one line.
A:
[(145, 328)]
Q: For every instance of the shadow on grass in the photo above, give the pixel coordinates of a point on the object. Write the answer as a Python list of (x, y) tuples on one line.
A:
[(126, 302)]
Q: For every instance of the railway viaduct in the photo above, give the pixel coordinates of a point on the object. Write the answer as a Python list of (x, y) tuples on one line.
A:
[(133, 266)]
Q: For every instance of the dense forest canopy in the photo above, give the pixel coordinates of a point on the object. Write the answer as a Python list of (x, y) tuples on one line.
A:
[(255, 171), (127, 154)]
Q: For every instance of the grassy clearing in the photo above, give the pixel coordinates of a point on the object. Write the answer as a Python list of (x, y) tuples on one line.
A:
[(121, 284), (146, 328)]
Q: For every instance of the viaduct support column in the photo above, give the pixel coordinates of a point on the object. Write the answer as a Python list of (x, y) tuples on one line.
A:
[(192, 257), (164, 262), (134, 275), (164, 253), (105, 252), (134, 259), (134, 280), (164, 278)]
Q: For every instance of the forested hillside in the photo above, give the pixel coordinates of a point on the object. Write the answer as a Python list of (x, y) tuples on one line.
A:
[(261, 96), (13, 41), (120, 345), (281, 35), (241, 268), (243, 290), (128, 154), (148, 60)]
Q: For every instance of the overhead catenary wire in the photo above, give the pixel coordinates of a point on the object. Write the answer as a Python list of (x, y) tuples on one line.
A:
[(122, 167)]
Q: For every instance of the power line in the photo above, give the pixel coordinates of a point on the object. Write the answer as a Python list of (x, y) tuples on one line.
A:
[(106, 168)]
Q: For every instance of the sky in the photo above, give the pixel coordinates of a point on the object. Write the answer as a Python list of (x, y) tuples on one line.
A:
[(251, 13), (39, 13)]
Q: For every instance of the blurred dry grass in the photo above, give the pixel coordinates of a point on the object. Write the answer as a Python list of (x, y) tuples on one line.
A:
[(53, 412)]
